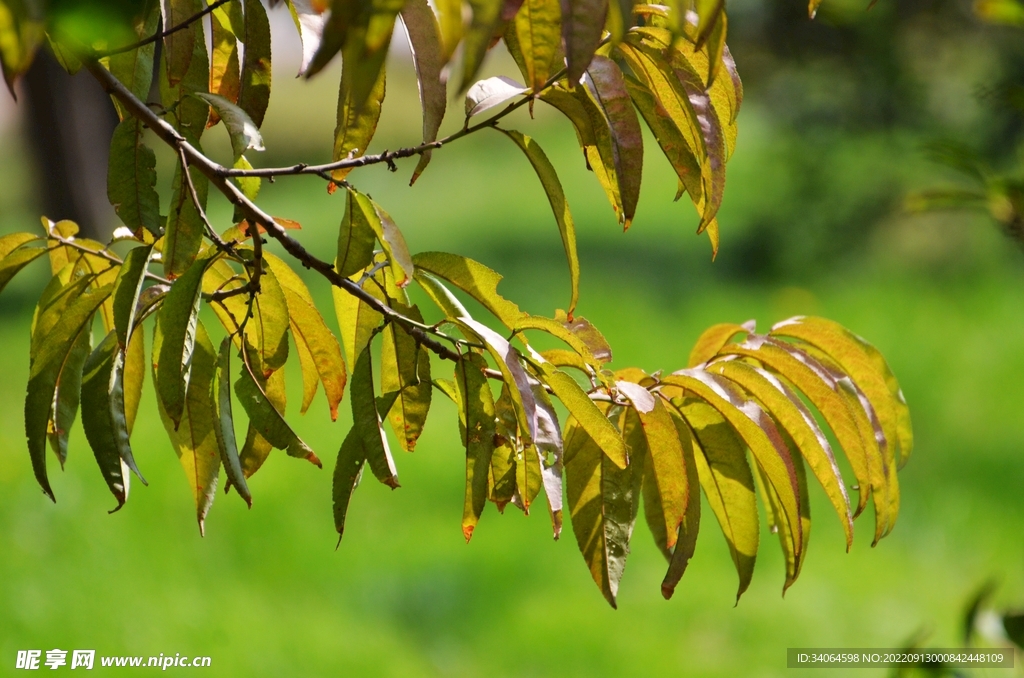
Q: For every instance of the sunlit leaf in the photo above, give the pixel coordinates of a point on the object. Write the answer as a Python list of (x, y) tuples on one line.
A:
[(254, 91), (357, 117), (484, 19), (507, 449), (537, 28), (473, 278), (486, 94), (310, 22), (131, 179), (429, 58), (356, 319), (366, 421), (18, 258), (226, 24), (405, 370), (243, 131), (686, 538), (549, 445), (477, 424), (714, 338)]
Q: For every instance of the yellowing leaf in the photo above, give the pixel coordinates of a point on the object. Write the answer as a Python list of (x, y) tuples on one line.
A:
[(484, 19), (476, 421), (356, 319), (357, 117), (537, 29), (226, 22), (178, 46), (587, 414), (714, 338), (224, 426), (686, 539), (405, 370), (474, 279), (243, 131), (127, 288)]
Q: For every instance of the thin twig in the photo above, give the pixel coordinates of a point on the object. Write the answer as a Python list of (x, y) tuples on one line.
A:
[(210, 232), (102, 254), (160, 35)]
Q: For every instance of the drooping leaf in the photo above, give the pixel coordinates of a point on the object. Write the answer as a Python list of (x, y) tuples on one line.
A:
[(224, 427), (549, 445), (21, 34), (507, 449), (405, 370), (127, 288), (366, 421), (179, 45), (254, 91), (268, 421), (194, 435), (243, 131), (61, 344), (356, 235), (721, 463), (393, 242), (474, 279), (477, 423), (451, 24), (133, 377), (484, 20), (347, 472), (104, 418), (553, 188), (186, 72), (686, 538), (486, 94), (441, 295), (178, 318), (183, 237), (714, 338), (256, 449), (134, 68), (356, 319), (582, 24), (310, 20), (15, 260), (226, 24), (603, 501), (358, 115), (429, 58)]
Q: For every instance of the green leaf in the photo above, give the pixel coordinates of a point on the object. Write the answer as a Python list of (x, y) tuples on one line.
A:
[(347, 472), (178, 318), (265, 417), (507, 449), (242, 130), (537, 29), (429, 58), (254, 92), (451, 24), (477, 424), (134, 68), (405, 370), (256, 449), (61, 343), (653, 435), (366, 421), (761, 436), (133, 377), (582, 24), (440, 295), (721, 463), (104, 418), (686, 539), (224, 427), (799, 424), (179, 45), (194, 435), (485, 17), (18, 259), (319, 351), (184, 230), (127, 288), (358, 114), (603, 501), (553, 188), (393, 242), (20, 36), (474, 279), (226, 23), (607, 87), (356, 235)]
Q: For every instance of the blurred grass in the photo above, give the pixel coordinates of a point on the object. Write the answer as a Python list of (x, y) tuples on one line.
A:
[(265, 594)]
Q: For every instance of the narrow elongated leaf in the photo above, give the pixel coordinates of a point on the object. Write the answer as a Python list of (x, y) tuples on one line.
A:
[(347, 472), (241, 128), (59, 354), (787, 409), (131, 179), (356, 319), (485, 17), (553, 188), (549, 445), (356, 235), (777, 523), (537, 28), (178, 318), (256, 449), (686, 539), (133, 377), (366, 421), (178, 46), (266, 418), (184, 228), (187, 114), (507, 450), (588, 415), (429, 58), (310, 20), (194, 435), (127, 288), (607, 88), (562, 331), (451, 24), (319, 352), (603, 502), (405, 370), (474, 279), (134, 68), (393, 242), (224, 427), (12, 263), (714, 338), (339, 18), (721, 462), (357, 117), (440, 295), (226, 24), (104, 419), (492, 92), (582, 24), (477, 424), (761, 436), (254, 91)]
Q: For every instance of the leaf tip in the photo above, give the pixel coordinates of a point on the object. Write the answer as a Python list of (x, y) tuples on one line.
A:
[(467, 532), (315, 460)]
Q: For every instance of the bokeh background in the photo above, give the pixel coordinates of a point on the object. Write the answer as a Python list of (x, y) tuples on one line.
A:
[(832, 137)]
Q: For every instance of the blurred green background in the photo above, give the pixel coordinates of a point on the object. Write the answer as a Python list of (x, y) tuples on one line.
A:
[(837, 113)]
